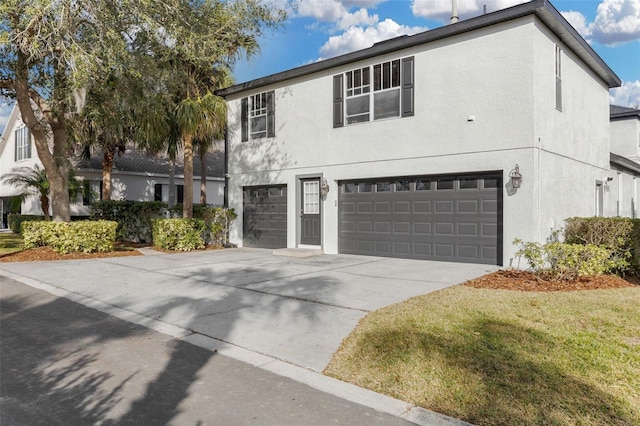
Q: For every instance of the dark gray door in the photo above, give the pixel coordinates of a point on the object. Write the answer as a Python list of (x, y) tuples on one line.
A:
[(265, 216), (310, 214), (448, 218)]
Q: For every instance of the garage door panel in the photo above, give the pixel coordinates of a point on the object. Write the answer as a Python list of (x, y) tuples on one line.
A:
[(437, 218), (383, 227), (468, 206), (383, 207), (421, 206), (444, 207), (265, 216)]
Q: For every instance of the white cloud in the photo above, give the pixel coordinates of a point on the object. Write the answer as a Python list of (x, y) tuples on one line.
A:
[(579, 22), (441, 9), (338, 11), (355, 38), (617, 21), (627, 95), (361, 17)]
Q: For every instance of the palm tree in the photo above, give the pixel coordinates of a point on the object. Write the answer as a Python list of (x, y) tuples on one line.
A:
[(34, 181), (197, 119)]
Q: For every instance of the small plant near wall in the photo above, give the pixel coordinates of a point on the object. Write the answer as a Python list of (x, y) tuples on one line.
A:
[(563, 261)]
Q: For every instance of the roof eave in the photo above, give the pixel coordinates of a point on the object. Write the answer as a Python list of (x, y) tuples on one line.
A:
[(624, 163), (540, 8)]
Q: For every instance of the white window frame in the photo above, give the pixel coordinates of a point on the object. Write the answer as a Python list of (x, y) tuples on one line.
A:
[(367, 82), (23, 142), (311, 197), (558, 78), (257, 110)]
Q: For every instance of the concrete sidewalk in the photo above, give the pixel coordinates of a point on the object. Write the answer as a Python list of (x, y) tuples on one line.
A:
[(271, 311)]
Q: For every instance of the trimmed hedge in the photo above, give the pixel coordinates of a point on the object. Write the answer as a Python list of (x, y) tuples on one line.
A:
[(133, 217), (179, 234), (67, 237), (15, 221)]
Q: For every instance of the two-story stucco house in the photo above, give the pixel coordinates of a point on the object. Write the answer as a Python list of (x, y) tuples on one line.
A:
[(622, 183), (135, 176), (408, 148)]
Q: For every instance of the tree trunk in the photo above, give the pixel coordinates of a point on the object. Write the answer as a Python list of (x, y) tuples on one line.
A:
[(44, 204), (49, 127), (203, 176), (172, 182), (107, 167), (187, 202)]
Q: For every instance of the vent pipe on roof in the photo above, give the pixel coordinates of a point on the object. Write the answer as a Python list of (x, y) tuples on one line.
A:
[(484, 8), (454, 11)]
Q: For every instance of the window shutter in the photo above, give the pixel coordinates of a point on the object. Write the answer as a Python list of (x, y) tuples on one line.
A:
[(28, 143), (338, 101), (244, 119), (271, 114), (407, 87)]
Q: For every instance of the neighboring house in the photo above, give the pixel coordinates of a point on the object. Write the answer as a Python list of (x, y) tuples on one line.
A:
[(135, 176), (417, 137), (622, 187)]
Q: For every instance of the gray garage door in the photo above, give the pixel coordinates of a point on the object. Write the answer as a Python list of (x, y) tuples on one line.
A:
[(448, 218), (265, 216)]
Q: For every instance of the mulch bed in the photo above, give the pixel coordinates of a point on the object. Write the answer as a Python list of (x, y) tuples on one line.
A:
[(47, 253), (517, 280)]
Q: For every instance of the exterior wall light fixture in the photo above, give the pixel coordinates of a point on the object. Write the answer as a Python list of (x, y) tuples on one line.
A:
[(516, 177), (324, 188)]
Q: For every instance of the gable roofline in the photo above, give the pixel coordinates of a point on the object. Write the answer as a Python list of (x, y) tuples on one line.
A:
[(542, 9), (617, 112)]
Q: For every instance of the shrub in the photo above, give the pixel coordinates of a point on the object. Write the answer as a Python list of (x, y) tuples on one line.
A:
[(63, 237), (614, 233), (217, 220), (16, 220), (133, 217), (179, 234), (563, 261)]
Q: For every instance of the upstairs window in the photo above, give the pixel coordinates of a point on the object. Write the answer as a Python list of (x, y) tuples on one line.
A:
[(258, 116), (23, 144), (558, 78), (376, 92)]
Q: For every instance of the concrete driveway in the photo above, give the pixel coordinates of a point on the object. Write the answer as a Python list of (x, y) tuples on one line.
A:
[(296, 310)]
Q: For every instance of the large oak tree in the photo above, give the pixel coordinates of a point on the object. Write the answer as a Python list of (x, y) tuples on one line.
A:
[(50, 52)]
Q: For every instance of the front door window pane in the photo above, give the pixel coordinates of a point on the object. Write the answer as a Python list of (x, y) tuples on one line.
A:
[(311, 197)]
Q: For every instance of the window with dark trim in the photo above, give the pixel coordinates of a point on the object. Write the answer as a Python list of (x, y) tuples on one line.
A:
[(23, 144), (89, 195), (180, 193), (257, 116), (384, 90), (157, 192)]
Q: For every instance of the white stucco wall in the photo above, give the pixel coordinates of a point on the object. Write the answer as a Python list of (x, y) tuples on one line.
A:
[(625, 137), (502, 76)]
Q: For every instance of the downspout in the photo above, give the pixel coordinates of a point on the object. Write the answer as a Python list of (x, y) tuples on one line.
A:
[(226, 168)]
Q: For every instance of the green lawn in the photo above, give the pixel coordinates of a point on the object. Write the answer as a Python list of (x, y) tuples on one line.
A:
[(497, 357), (10, 243)]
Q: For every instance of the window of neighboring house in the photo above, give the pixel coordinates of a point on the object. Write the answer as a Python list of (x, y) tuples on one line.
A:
[(180, 192), (558, 78), (157, 192), (377, 92), (258, 116), (88, 195), (23, 144)]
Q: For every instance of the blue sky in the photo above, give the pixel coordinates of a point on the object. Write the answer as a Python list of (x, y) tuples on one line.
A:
[(320, 29)]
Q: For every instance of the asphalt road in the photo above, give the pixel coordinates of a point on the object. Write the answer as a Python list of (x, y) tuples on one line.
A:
[(62, 363)]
